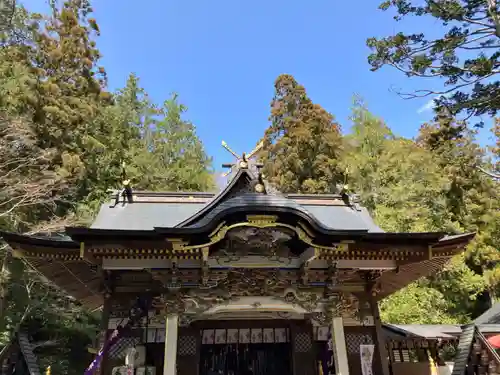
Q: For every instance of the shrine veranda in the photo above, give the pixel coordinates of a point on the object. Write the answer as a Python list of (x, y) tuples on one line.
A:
[(238, 273)]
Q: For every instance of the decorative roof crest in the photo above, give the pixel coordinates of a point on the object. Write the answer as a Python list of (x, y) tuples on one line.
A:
[(243, 161)]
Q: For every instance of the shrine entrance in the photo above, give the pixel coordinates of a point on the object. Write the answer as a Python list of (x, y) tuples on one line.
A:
[(245, 348), (246, 359)]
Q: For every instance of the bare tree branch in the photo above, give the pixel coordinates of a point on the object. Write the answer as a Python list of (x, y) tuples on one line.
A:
[(491, 174)]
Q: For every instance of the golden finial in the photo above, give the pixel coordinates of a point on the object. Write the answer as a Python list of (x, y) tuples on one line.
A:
[(244, 158), (256, 149), (47, 372), (225, 145)]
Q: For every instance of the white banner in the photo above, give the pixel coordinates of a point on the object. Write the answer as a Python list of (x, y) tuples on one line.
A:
[(366, 353)]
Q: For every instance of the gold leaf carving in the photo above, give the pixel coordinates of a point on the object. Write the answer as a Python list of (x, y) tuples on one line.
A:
[(261, 220)]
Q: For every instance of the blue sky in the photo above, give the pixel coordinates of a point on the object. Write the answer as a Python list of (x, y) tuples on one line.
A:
[(223, 56)]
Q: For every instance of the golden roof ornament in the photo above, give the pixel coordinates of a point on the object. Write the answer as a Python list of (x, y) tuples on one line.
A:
[(243, 161)]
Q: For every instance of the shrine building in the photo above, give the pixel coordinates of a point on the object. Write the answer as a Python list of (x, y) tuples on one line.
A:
[(245, 281)]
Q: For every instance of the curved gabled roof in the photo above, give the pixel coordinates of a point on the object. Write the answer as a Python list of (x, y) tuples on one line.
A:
[(192, 210), (340, 218)]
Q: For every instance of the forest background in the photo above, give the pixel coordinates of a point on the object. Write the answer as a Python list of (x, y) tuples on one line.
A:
[(64, 139)]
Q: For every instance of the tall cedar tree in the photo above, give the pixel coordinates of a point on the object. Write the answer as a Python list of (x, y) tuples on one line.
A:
[(172, 157), (61, 87), (49, 93), (303, 144), (465, 56)]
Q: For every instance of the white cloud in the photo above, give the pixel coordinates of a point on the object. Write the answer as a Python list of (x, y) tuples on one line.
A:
[(427, 106)]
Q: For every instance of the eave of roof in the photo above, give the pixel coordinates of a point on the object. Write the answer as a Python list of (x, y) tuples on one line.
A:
[(427, 331), (490, 316), (79, 234), (49, 242)]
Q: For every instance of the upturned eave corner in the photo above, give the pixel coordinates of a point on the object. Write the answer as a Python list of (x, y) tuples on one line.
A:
[(450, 245)]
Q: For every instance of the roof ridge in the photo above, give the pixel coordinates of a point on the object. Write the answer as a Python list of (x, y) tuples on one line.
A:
[(207, 194)]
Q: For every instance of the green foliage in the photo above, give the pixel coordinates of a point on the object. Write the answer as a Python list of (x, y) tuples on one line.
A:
[(63, 141), (416, 304), (429, 184), (465, 56), (170, 156), (398, 181), (302, 144)]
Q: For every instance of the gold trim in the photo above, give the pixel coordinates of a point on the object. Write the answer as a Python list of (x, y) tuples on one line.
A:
[(205, 251), (264, 220), (267, 221), (218, 228), (177, 244), (306, 229)]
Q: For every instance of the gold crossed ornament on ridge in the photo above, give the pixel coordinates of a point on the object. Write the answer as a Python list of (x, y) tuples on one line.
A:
[(243, 159)]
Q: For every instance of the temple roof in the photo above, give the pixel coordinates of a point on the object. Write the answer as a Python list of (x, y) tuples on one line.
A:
[(490, 316), (169, 210), (140, 225), (151, 210)]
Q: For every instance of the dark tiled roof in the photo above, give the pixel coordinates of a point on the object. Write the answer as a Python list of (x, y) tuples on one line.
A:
[(490, 316), (330, 217), (489, 328), (192, 210), (148, 215), (144, 215), (463, 350), (29, 356), (428, 331)]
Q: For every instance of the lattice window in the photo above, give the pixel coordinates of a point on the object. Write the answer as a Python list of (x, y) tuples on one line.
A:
[(302, 342), (354, 340), (186, 345), (118, 350)]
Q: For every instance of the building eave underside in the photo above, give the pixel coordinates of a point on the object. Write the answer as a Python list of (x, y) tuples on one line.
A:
[(76, 278), (60, 262)]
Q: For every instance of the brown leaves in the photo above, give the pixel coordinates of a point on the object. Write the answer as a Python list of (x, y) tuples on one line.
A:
[(28, 181)]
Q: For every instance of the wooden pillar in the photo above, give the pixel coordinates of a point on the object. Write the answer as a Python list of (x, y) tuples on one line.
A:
[(171, 330), (339, 347), (380, 347)]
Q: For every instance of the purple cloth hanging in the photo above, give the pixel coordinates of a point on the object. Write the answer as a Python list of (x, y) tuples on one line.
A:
[(113, 338), (139, 311), (327, 363)]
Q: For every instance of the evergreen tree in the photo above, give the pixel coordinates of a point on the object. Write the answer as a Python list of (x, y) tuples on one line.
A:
[(403, 185), (303, 144), (471, 199), (172, 157), (465, 55), (63, 141)]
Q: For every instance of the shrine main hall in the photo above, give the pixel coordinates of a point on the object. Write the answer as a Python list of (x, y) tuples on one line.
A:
[(245, 281)]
